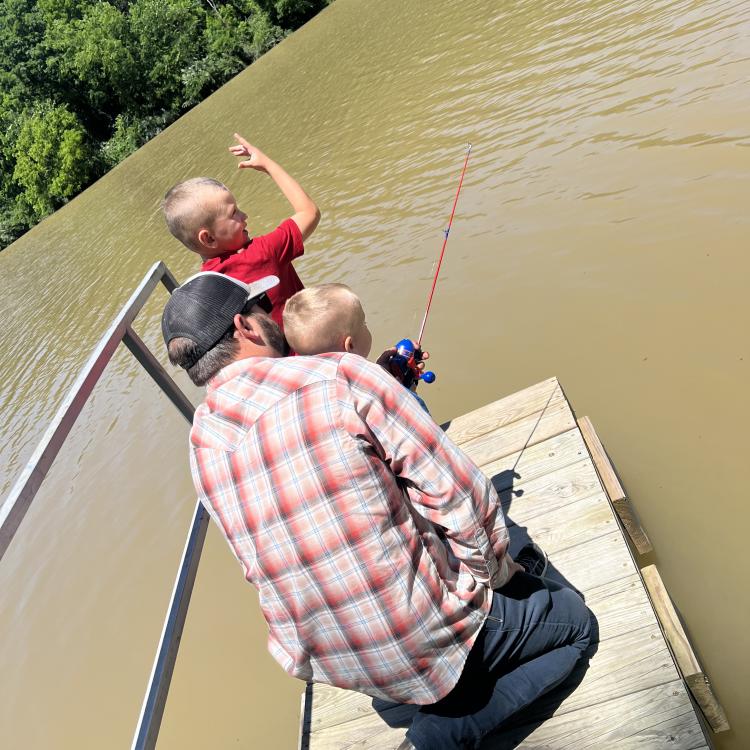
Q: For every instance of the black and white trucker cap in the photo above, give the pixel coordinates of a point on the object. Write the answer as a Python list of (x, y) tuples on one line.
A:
[(203, 307)]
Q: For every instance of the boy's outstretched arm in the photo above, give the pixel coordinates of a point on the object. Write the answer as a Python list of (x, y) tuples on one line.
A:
[(306, 214)]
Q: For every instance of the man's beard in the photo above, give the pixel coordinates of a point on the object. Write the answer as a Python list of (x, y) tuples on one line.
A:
[(272, 333)]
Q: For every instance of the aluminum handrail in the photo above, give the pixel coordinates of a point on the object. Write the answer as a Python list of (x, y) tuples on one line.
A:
[(152, 710), (21, 495)]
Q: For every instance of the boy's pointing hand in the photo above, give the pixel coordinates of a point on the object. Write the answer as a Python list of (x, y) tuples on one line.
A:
[(256, 159)]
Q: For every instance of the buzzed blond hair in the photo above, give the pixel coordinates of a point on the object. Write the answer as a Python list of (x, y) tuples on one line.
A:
[(319, 318), (187, 211)]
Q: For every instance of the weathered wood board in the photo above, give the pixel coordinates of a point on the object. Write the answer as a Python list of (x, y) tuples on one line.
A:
[(631, 695)]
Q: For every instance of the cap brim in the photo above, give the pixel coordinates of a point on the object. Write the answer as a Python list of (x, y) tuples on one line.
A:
[(261, 285), (253, 289)]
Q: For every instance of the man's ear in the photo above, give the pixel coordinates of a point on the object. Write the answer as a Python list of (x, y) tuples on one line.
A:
[(245, 327), (349, 344)]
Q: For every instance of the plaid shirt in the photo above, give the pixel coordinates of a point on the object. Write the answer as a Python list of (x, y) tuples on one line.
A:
[(371, 537)]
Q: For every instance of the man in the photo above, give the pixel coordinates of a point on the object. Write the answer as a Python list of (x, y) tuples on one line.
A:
[(378, 548)]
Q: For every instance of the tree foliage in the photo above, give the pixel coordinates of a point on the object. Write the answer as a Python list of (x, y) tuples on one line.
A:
[(52, 157), (84, 83)]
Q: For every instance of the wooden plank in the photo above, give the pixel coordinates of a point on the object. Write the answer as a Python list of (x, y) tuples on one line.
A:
[(504, 411), (684, 656), (620, 606), (337, 706), (601, 460), (659, 718), (536, 460), (712, 710), (598, 562), (552, 491), (511, 438), (367, 730), (614, 489), (686, 660), (632, 524), (573, 524)]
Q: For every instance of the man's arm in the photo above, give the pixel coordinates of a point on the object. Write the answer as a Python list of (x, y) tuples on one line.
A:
[(449, 490), (306, 214)]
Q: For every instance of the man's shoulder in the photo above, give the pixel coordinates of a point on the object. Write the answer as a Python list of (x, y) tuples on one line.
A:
[(355, 368), (247, 390)]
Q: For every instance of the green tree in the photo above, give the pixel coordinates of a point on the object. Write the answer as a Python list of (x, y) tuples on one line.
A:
[(52, 158), (13, 219), (22, 31), (291, 14), (232, 39), (130, 133), (95, 52), (167, 36), (63, 10)]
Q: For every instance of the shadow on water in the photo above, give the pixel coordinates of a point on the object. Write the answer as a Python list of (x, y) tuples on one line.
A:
[(522, 724)]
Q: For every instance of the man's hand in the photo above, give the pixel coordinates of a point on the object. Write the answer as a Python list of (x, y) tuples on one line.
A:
[(497, 581), (256, 159), (514, 567), (384, 360)]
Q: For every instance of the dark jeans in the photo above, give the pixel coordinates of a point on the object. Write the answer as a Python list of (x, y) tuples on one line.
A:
[(535, 633)]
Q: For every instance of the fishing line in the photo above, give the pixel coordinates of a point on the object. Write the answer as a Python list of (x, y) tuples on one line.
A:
[(405, 363), (446, 232)]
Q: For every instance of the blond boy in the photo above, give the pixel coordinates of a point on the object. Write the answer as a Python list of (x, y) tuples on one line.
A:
[(203, 214), (326, 318), (330, 318)]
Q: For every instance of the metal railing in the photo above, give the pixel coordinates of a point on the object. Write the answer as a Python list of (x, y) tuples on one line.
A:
[(18, 501)]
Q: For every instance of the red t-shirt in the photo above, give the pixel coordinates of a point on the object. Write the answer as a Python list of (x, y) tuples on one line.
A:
[(268, 255)]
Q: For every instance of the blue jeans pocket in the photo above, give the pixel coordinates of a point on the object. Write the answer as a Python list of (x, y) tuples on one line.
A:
[(493, 623)]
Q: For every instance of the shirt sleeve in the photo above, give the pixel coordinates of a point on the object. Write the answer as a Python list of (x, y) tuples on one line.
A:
[(450, 490), (284, 243)]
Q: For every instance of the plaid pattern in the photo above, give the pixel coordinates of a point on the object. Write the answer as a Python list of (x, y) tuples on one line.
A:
[(370, 536)]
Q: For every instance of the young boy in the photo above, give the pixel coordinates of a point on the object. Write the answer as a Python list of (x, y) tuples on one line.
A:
[(203, 214), (327, 318), (330, 318)]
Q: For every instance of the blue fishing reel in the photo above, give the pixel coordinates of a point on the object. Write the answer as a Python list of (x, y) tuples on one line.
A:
[(404, 364)]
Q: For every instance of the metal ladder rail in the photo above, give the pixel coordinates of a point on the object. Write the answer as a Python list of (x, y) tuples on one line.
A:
[(23, 492)]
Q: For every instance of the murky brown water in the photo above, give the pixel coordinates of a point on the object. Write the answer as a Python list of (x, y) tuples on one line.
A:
[(602, 236)]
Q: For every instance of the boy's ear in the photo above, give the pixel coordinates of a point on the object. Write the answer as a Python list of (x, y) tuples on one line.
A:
[(206, 239)]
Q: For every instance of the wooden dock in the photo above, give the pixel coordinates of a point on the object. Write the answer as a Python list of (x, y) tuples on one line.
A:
[(558, 488)]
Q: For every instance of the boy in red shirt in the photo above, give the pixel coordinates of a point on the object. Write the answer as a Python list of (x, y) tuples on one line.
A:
[(203, 214)]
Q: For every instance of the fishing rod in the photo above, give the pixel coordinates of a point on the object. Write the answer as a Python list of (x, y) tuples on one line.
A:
[(405, 362)]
